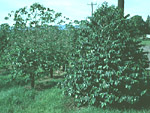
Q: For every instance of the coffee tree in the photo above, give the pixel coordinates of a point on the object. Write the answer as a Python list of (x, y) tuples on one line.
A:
[(35, 42), (4, 36), (4, 42), (108, 65)]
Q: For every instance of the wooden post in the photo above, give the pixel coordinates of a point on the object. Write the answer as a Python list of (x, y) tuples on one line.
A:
[(121, 5)]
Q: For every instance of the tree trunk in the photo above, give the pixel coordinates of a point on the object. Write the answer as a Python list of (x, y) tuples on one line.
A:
[(64, 68), (121, 5), (32, 80), (51, 72)]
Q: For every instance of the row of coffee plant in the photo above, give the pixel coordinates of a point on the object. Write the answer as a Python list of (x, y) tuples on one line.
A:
[(105, 61), (36, 44)]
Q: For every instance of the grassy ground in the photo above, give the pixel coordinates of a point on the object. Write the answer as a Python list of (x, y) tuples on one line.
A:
[(45, 98), (146, 42)]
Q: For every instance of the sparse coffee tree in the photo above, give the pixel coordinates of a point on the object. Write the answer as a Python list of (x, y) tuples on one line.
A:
[(108, 65), (36, 43)]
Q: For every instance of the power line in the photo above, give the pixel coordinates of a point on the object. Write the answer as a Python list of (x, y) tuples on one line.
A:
[(92, 7)]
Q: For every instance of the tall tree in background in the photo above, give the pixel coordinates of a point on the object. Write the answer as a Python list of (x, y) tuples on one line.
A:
[(121, 5), (148, 25), (140, 27)]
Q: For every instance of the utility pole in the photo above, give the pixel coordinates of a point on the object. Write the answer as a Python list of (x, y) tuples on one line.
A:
[(92, 7)]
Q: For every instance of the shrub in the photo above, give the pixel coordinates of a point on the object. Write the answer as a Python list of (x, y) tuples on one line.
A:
[(108, 65)]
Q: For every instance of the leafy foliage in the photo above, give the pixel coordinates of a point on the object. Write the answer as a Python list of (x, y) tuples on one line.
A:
[(138, 25), (108, 65), (37, 46), (148, 25), (4, 32), (4, 42)]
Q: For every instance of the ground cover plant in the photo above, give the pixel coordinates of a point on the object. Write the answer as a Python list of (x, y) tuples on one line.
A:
[(24, 99)]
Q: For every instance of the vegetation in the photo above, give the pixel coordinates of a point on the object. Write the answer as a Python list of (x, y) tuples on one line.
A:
[(108, 66), (146, 42), (148, 25), (23, 99), (138, 25), (4, 37), (37, 46), (97, 62)]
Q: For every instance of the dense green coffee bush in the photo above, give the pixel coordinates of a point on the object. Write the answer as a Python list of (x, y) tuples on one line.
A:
[(108, 65)]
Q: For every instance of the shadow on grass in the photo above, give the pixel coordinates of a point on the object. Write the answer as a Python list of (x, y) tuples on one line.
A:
[(5, 82), (144, 103), (47, 85)]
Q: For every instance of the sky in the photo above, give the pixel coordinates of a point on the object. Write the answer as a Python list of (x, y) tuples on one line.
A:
[(74, 9)]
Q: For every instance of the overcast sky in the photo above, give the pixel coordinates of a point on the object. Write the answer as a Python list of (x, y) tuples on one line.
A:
[(74, 9)]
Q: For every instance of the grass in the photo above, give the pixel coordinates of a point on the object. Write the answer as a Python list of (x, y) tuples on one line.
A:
[(146, 42), (20, 100), (45, 98), (23, 99)]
